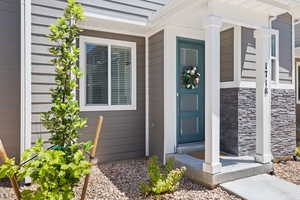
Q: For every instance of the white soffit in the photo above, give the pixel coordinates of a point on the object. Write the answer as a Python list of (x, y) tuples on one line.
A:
[(270, 7)]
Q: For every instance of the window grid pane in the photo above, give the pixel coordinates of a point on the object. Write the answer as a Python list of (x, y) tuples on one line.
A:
[(273, 49), (273, 69), (97, 74), (121, 75)]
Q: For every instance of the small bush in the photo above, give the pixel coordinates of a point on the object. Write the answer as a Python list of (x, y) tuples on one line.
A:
[(161, 180), (55, 173), (297, 150)]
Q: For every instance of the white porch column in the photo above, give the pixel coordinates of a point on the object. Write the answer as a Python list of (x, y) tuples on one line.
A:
[(212, 163), (263, 96)]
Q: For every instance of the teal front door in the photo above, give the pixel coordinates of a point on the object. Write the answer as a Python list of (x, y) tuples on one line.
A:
[(190, 102)]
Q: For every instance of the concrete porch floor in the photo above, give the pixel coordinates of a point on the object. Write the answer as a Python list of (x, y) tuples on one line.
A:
[(233, 168)]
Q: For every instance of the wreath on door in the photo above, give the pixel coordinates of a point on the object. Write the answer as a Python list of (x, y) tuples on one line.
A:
[(191, 78)]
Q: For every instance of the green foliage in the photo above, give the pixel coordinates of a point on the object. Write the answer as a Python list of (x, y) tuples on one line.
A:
[(55, 172), (162, 180), (63, 120), (297, 150)]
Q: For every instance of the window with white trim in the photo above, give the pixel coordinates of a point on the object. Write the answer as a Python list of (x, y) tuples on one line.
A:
[(274, 56), (109, 74)]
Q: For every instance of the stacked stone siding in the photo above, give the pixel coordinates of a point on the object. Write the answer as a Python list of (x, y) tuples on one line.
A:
[(238, 121), (247, 121), (283, 122), (229, 120)]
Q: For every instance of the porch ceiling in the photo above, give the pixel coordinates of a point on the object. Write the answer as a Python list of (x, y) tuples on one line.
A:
[(271, 7), (267, 7)]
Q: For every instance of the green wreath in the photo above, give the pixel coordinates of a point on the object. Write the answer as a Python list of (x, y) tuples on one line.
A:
[(191, 78)]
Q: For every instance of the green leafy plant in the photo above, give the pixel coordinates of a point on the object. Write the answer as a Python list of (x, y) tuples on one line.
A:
[(55, 172), (63, 120), (58, 170), (297, 150), (161, 180)]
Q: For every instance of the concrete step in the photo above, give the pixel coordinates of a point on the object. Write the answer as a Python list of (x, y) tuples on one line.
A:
[(233, 168), (191, 147), (263, 187)]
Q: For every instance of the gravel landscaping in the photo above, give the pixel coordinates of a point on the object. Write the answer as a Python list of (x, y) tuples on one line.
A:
[(120, 180), (289, 171)]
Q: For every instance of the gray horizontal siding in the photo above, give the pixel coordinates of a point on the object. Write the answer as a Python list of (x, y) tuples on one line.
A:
[(138, 10), (10, 75), (156, 94), (283, 24), (123, 135), (123, 131), (227, 55), (248, 54)]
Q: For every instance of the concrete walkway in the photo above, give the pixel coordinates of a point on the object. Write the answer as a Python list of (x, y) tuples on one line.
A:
[(263, 187)]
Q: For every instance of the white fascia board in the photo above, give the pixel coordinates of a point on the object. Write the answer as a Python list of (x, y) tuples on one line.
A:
[(98, 23), (117, 19)]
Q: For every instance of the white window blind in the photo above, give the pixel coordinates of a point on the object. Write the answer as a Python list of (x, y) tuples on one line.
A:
[(120, 75)]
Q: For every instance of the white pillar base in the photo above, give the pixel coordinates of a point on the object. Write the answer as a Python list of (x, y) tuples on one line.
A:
[(214, 168), (264, 159)]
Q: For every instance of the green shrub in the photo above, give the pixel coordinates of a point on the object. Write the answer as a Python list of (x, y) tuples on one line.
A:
[(297, 150), (161, 180), (55, 172)]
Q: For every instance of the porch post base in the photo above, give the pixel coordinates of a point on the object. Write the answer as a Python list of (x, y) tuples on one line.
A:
[(263, 158), (214, 168)]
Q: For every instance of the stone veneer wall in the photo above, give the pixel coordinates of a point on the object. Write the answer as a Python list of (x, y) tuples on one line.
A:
[(229, 120), (283, 122), (247, 121), (238, 121)]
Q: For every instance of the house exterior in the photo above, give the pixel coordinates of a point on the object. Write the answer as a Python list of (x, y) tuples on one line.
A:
[(133, 55)]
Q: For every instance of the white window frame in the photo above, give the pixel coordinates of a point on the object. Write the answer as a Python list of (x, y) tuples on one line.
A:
[(276, 58), (297, 82), (82, 91)]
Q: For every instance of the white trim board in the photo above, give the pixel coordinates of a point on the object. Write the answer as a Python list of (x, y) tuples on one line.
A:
[(25, 75), (252, 84), (82, 64), (117, 19), (147, 149), (25, 54)]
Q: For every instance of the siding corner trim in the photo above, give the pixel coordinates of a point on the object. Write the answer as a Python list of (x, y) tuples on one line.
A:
[(25, 131)]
